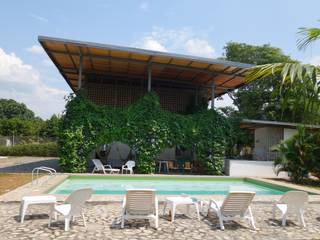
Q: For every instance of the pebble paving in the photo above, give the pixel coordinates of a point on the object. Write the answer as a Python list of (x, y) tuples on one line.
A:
[(103, 223)]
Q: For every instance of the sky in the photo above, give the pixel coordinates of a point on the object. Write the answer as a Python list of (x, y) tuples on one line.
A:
[(193, 27)]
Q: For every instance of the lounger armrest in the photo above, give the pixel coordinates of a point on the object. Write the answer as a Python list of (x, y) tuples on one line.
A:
[(107, 166), (124, 202), (212, 202)]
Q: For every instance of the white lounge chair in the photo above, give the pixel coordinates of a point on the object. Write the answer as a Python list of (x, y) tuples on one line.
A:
[(235, 205), (128, 167), (99, 167), (72, 207), (140, 204), (292, 202)]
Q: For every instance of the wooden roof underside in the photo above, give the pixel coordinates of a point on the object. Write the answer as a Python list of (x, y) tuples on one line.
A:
[(127, 62)]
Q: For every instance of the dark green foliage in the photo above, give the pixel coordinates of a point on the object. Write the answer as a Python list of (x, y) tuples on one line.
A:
[(258, 100), (145, 127), (299, 155), (11, 109), (49, 149), (50, 127)]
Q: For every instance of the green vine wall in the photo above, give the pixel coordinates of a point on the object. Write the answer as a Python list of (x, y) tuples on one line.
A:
[(145, 127)]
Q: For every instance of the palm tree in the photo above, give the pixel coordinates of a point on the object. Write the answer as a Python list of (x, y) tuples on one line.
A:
[(299, 82)]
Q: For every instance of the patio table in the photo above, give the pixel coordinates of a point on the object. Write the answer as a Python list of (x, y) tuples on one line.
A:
[(181, 200)]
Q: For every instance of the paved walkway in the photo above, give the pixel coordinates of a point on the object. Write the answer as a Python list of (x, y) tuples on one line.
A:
[(103, 223), (26, 164)]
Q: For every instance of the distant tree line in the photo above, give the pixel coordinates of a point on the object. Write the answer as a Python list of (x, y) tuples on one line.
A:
[(19, 121)]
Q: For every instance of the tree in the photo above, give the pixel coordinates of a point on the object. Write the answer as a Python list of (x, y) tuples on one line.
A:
[(299, 85), (256, 100), (11, 109), (50, 128)]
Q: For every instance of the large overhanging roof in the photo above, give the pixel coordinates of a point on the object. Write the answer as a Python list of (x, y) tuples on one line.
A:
[(104, 59)]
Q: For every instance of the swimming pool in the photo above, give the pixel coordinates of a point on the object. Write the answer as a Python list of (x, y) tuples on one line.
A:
[(167, 185)]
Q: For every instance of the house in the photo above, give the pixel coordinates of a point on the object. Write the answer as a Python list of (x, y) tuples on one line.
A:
[(117, 76), (266, 135)]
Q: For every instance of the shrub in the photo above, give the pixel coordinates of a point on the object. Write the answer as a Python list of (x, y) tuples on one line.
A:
[(49, 149), (299, 155)]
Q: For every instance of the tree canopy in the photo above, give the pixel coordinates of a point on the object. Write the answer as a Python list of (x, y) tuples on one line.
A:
[(258, 100), (16, 119), (9, 108)]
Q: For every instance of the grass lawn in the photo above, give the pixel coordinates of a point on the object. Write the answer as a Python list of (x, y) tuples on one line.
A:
[(10, 181)]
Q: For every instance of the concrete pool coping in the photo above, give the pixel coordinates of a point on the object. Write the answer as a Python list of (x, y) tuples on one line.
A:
[(46, 183)]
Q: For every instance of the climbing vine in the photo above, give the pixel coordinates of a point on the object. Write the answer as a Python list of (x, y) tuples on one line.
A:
[(145, 127)]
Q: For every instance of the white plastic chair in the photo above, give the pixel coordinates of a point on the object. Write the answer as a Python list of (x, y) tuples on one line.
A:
[(128, 167), (235, 205), (292, 202), (98, 167), (72, 207), (140, 204)]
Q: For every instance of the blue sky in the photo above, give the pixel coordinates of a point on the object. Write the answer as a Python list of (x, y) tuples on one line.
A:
[(199, 27)]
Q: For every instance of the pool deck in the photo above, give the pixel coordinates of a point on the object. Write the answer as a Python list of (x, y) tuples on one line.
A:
[(46, 183), (103, 219)]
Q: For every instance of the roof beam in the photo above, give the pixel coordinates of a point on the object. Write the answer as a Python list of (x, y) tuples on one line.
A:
[(193, 69), (144, 77)]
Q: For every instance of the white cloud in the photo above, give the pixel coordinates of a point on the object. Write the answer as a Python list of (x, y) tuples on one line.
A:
[(177, 40), (152, 44), (38, 18), (23, 83), (199, 47), (35, 49), (144, 6)]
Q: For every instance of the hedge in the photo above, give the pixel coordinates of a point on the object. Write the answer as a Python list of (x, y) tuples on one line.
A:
[(49, 149)]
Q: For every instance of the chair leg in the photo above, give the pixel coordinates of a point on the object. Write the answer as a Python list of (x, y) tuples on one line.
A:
[(274, 212), (302, 219), (66, 223), (157, 222), (251, 218), (164, 208), (220, 221), (197, 210), (52, 212), (284, 220), (122, 221), (173, 212), (23, 210), (84, 220), (188, 210)]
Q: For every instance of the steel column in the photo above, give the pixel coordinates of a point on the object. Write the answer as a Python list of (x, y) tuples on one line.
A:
[(212, 96), (80, 73), (149, 77)]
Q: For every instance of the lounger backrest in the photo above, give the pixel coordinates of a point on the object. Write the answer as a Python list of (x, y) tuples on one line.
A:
[(98, 164), (237, 203), (140, 201), (294, 200), (131, 164), (77, 200)]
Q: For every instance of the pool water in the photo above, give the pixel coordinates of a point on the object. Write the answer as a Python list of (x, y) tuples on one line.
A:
[(167, 185)]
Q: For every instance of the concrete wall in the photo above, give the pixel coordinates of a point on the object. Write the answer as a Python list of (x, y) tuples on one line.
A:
[(288, 132), (265, 138), (248, 168)]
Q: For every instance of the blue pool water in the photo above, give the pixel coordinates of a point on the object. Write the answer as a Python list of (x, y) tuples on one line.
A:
[(167, 185)]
